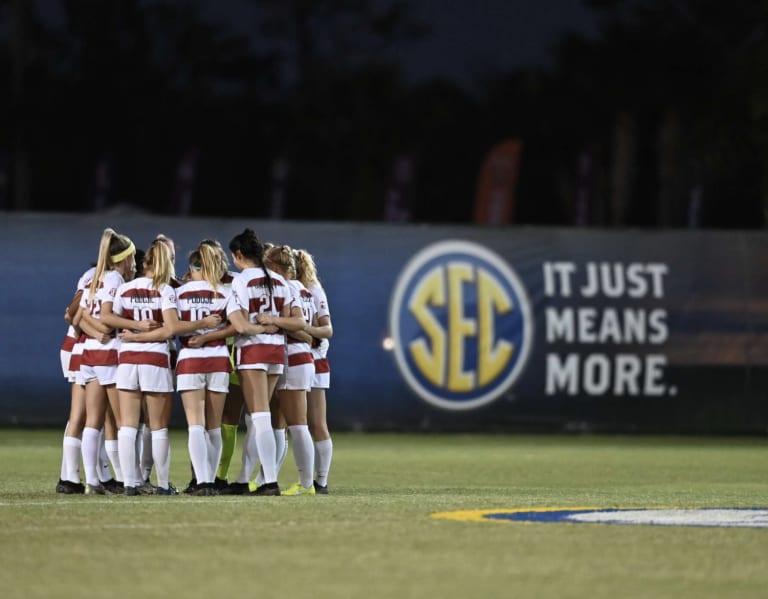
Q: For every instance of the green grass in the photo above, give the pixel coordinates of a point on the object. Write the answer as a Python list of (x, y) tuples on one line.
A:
[(374, 536)]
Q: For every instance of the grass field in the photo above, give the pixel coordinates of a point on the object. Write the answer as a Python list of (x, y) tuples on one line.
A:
[(374, 535)]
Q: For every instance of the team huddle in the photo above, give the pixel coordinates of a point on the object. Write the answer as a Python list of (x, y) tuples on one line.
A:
[(253, 341)]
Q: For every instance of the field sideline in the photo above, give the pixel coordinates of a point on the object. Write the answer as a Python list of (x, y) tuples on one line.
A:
[(374, 535)]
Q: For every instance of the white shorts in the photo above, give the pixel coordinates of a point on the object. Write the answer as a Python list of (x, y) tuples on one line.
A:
[(65, 356), (213, 381), (321, 381), (106, 375), (269, 368), (296, 378), (143, 377), (322, 376)]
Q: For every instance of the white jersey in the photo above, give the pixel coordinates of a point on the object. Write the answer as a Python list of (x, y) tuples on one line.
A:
[(298, 351), (82, 284), (320, 346), (95, 353), (195, 301), (137, 301), (250, 293)]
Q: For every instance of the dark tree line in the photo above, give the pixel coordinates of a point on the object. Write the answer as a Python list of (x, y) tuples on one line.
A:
[(659, 120)]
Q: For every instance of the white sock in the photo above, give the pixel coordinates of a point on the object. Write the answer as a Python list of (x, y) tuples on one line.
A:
[(281, 446), (250, 453), (198, 453), (64, 473), (126, 444), (323, 457), (145, 465), (71, 459), (281, 450), (161, 455), (265, 444), (113, 457), (214, 449), (90, 450), (303, 453)]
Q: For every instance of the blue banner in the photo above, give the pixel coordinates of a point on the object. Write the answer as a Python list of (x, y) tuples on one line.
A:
[(472, 328)]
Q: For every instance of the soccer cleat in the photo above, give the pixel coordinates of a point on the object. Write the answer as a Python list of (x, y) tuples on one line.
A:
[(297, 489), (220, 483), (146, 488), (113, 487), (69, 488), (95, 489), (172, 488), (267, 489), (320, 489), (131, 491), (204, 490), (162, 491), (235, 489), (191, 486)]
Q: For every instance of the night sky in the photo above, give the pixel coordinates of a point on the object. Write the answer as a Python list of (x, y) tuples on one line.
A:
[(467, 39), (470, 39)]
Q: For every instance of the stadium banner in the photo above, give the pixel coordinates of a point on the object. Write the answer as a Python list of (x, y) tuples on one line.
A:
[(458, 328)]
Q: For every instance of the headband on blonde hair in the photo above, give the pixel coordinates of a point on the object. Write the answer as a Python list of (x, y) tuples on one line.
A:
[(131, 249)]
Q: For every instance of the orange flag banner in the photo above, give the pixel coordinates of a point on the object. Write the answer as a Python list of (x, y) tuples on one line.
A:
[(495, 196)]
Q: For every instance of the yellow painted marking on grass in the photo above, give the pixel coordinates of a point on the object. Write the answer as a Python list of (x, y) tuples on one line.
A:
[(480, 515)]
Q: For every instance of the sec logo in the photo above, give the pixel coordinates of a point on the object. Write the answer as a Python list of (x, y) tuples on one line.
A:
[(461, 325)]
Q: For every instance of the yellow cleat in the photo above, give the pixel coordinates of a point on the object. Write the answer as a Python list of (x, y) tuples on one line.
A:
[(297, 489)]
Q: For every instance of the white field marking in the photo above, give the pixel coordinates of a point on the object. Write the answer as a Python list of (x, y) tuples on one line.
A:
[(114, 526), (733, 518), (116, 500)]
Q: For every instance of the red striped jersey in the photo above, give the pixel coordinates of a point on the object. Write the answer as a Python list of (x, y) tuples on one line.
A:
[(251, 293), (138, 300), (194, 301), (94, 352)]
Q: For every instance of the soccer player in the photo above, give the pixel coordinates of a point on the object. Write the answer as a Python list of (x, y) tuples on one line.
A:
[(71, 352), (203, 370), (321, 330), (260, 358), (98, 366), (144, 370), (291, 393)]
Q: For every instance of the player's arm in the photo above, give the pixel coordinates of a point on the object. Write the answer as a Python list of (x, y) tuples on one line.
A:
[(291, 319), (242, 325), (92, 327), (87, 323), (119, 322), (74, 306), (201, 340), (175, 326), (321, 328)]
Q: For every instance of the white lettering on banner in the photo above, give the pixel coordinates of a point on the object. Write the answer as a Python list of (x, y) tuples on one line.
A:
[(626, 327)]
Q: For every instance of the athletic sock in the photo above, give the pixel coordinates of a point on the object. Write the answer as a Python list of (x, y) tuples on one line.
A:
[(281, 447), (250, 452), (265, 445), (71, 459), (323, 457), (90, 450), (126, 445), (303, 453), (113, 457), (198, 453), (145, 457), (64, 469), (281, 450), (161, 456), (213, 438), (228, 442)]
